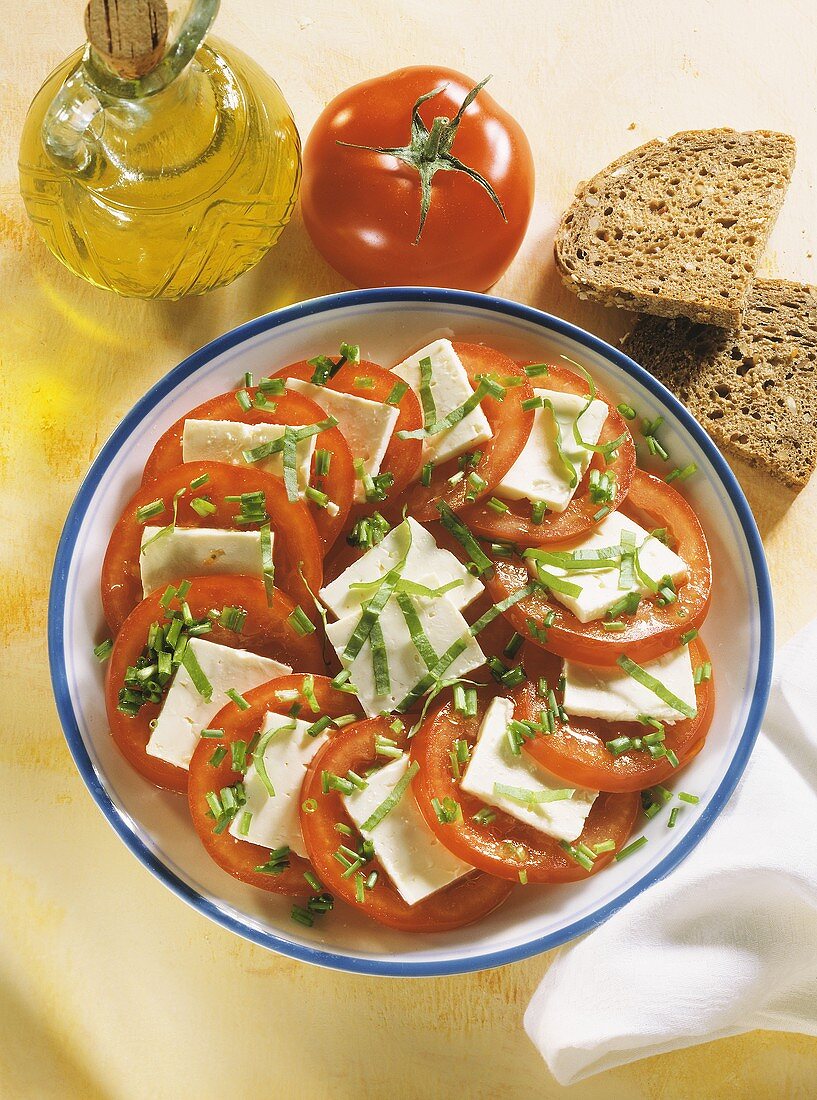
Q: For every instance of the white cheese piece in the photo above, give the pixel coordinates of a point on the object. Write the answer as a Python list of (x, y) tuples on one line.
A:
[(424, 557), (197, 552), (276, 821), (409, 852), (366, 425), (599, 589), (450, 387), (226, 440), (443, 625), (539, 473), (611, 694), (493, 762), (185, 713)]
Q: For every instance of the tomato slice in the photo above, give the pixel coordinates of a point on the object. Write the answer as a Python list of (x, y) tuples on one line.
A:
[(505, 846), (266, 631), (289, 408), (516, 524), (463, 902), (238, 857), (510, 424), (576, 750), (403, 456), (295, 539), (653, 630)]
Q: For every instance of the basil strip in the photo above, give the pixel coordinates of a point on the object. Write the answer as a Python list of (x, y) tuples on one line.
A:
[(572, 474), (604, 449), (434, 674), (641, 676), (419, 637), (274, 446), (380, 659), (452, 418), (557, 584), (290, 460), (495, 611), (426, 396), (258, 755), (375, 605), (196, 674), (533, 798), (388, 804), (577, 561), (461, 533)]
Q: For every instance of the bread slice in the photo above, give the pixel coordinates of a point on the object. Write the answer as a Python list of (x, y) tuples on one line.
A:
[(675, 228), (754, 390)]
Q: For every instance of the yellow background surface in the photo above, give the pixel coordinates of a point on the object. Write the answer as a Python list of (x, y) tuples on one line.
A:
[(109, 985)]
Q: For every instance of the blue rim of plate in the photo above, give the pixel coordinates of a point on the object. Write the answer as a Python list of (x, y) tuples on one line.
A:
[(316, 955)]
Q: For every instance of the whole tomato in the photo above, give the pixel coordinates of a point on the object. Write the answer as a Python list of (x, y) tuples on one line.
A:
[(417, 178)]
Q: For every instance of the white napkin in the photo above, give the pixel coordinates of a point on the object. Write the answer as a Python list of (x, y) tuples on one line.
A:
[(728, 942)]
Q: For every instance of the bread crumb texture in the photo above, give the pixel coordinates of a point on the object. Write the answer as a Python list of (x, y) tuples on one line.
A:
[(675, 228), (754, 390)]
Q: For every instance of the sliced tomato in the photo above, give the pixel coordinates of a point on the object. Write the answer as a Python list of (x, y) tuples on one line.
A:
[(403, 456), (516, 524), (510, 424), (653, 630), (289, 408), (463, 902), (505, 846), (239, 857), (266, 631), (576, 751), (295, 539)]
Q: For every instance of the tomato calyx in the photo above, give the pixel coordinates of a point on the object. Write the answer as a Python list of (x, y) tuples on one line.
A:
[(429, 151)]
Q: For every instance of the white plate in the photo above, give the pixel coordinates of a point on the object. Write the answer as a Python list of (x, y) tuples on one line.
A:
[(387, 324)]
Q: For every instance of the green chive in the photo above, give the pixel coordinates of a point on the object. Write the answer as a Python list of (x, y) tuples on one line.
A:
[(148, 511), (627, 411), (103, 651), (300, 622), (536, 370), (238, 699), (636, 844)]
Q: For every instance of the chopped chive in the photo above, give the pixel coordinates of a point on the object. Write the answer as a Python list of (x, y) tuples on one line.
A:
[(537, 511), (218, 755), (318, 727), (531, 403), (536, 370), (244, 400), (602, 512), (196, 674), (202, 507), (604, 846), (103, 651), (682, 473), (233, 618), (302, 916), (692, 799), (211, 733), (323, 462), (313, 882), (426, 472), (237, 698), (636, 844), (689, 636), (576, 855), (148, 511), (197, 482), (498, 506), (627, 411), (344, 830), (238, 756), (309, 805), (484, 816), (673, 816), (448, 810), (300, 622), (479, 559)]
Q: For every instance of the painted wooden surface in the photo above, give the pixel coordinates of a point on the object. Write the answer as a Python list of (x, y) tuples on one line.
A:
[(109, 986)]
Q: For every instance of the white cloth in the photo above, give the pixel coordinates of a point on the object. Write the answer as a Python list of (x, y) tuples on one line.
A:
[(728, 942)]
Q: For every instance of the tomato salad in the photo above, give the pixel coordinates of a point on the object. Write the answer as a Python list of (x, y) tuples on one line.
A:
[(411, 638)]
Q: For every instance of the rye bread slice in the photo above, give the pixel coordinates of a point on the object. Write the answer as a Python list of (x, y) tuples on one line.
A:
[(675, 228), (754, 390)]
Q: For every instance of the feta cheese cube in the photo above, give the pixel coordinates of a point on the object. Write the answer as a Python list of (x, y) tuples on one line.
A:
[(599, 588), (424, 558), (226, 440), (197, 552), (443, 625), (492, 762), (366, 425), (276, 821), (611, 694), (185, 713), (450, 387), (408, 851), (539, 473)]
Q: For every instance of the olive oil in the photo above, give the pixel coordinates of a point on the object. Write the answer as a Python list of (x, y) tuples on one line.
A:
[(172, 187)]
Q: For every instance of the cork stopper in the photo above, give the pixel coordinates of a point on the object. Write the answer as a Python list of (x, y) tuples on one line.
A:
[(129, 34)]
